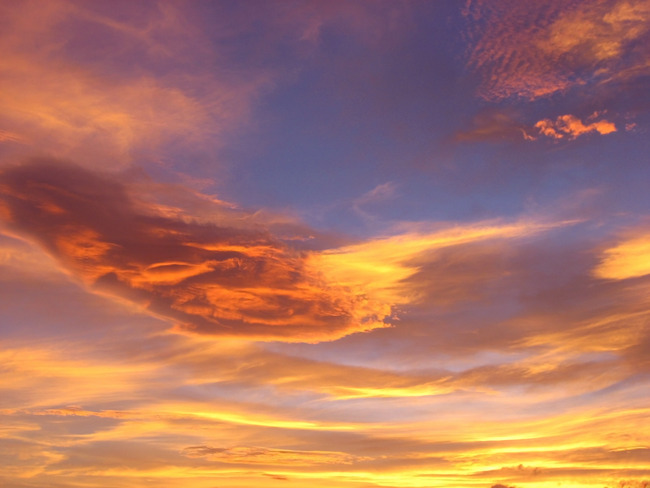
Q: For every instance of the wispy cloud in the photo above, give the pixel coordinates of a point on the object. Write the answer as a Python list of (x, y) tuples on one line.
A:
[(494, 125), (229, 277), (271, 457), (498, 126), (628, 259), (138, 100)]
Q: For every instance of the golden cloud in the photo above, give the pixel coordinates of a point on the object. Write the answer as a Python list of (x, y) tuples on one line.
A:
[(569, 126), (56, 98), (628, 259), (384, 266)]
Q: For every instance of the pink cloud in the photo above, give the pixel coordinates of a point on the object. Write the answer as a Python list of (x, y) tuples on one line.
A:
[(58, 100), (536, 49)]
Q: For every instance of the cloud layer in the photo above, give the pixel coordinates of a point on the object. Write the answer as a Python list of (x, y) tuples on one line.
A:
[(533, 50), (324, 243)]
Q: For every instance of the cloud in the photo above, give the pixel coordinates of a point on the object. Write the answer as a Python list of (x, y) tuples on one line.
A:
[(39, 375), (389, 268), (508, 313), (517, 345), (291, 375), (152, 93), (261, 455), (494, 125), (156, 81), (227, 278), (628, 259), (378, 195), (633, 484), (498, 126), (569, 126), (226, 275), (9, 136), (136, 442), (536, 49)]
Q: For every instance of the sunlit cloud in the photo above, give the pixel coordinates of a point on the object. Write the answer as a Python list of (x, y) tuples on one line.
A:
[(570, 126), (6, 135), (384, 454), (383, 266), (494, 126), (628, 259), (226, 278), (57, 101)]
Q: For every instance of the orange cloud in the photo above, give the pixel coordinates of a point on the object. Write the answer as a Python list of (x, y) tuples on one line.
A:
[(57, 99), (629, 259), (570, 126), (228, 276), (292, 374), (235, 439), (229, 279), (38, 376)]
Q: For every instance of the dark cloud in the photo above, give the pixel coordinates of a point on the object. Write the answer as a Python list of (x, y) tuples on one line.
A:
[(276, 476), (263, 455), (493, 125), (228, 277)]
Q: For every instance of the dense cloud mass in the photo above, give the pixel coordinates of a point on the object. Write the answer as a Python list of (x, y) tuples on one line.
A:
[(223, 278)]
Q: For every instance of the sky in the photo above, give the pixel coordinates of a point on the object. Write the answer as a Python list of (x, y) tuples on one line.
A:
[(355, 244)]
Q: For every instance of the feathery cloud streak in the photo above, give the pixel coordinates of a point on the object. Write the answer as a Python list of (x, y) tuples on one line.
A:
[(139, 102), (629, 259)]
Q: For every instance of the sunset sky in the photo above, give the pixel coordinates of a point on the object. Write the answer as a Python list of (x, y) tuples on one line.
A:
[(327, 243)]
